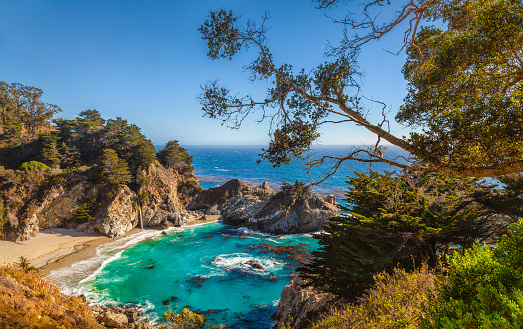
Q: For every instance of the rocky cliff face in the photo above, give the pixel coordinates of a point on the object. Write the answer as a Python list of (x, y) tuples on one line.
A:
[(297, 304), (33, 201), (262, 209)]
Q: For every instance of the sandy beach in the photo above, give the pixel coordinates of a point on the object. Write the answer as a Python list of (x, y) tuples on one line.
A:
[(55, 248)]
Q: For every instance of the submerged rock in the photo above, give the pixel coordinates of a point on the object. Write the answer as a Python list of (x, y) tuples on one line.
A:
[(255, 265)]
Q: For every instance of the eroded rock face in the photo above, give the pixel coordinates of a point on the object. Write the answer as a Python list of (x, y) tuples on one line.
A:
[(162, 204), (218, 195), (261, 209), (296, 301), (34, 202)]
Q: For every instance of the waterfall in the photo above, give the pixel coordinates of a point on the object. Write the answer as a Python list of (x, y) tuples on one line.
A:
[(140, 209)]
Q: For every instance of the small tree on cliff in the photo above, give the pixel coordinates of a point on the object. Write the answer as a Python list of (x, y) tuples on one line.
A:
[(464, 95), (397, 221), (114, 170), (174, 156)]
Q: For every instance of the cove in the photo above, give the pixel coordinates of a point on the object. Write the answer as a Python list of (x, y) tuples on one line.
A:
[(233, 276)]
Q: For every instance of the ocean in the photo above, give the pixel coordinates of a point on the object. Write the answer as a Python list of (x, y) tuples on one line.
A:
[(233, 276), (215, 165)]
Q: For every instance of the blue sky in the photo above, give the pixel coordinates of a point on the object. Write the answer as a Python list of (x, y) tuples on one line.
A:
[(145, 61)]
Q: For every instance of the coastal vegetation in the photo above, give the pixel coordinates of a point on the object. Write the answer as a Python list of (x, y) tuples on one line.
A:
[(40, 154), (463, 69), (434, 218)]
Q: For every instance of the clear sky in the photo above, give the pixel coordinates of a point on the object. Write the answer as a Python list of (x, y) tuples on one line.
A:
[(145, 61)]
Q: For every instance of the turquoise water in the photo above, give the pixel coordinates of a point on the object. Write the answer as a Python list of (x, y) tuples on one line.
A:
[(203, 267)]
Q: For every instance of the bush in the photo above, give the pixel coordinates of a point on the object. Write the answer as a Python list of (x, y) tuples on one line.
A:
[(183, 320), (397, 300), (32, 166), (85, 210), (483, 288)]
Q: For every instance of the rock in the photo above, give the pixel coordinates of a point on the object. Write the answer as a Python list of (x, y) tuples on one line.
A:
[(114, 320), (119, 215), (132, 315), (213, 211), (33, 202), (296, 301), (261, 209), (255, 265), (164, 206), (218, 195)]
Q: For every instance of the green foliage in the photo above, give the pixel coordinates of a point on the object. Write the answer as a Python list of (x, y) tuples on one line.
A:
[(464, 90), (85, 210), (110, 195), (176, 157), (144, 196), (50, 153), (183, 320), (113, 169), (33, 166), (396, 301), (483, 288), (22, 113), (394, 221), (293, 193), (464, 84), (24, 264)]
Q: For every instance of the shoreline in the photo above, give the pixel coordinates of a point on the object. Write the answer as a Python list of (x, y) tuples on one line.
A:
[(56, 248)]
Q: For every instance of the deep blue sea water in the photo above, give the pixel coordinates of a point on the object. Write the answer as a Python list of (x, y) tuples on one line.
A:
[(215, 165), (206, 267)]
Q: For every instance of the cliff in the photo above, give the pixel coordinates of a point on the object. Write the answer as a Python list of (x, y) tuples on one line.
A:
[(299, 304), (262, 209), (80, 200)]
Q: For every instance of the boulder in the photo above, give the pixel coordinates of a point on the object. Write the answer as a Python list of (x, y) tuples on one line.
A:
[(114, 320), (296, 301)]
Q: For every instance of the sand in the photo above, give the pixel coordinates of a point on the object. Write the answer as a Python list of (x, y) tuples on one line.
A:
[(55, 248)]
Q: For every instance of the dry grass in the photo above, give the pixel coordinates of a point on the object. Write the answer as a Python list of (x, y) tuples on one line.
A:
[(29, 301), (396, 301)]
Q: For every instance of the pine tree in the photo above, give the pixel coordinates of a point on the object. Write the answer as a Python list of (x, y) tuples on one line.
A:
[(114, 169), (396, 220)]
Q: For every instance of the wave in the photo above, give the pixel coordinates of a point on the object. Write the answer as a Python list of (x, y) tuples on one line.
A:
[(239, 261), (69, 278)]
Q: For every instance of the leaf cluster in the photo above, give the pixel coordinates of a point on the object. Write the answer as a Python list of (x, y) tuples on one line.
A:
[(466, 86), (483, 287)]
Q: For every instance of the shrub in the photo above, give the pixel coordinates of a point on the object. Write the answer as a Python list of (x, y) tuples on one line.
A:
[(395, 221), (32, 166), (397, 300), (85, 210), (183, 320), (483, 288)]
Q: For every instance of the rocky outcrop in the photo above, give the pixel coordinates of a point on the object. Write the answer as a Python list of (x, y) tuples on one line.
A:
[(297, 304), (164, 193), (81, 201), (218, 195), (114, 316), (262, 209)]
